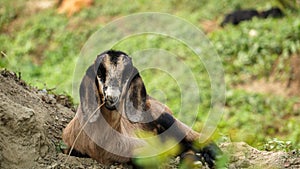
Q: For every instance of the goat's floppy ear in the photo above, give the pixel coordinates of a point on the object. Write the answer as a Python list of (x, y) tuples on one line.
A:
[(135, 98), (90, 94)]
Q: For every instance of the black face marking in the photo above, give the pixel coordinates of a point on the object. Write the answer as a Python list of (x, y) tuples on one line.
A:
[(101, 72), (114, 59), (114, 56)]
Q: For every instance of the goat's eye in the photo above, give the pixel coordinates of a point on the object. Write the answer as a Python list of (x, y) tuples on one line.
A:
[(101, 72)]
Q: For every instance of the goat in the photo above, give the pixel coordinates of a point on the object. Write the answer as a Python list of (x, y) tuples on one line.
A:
[(247, 14), (238, 16), (114, 103), (274, 12)]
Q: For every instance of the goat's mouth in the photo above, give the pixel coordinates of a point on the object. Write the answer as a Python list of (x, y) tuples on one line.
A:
[(111, 105), (112, 96)]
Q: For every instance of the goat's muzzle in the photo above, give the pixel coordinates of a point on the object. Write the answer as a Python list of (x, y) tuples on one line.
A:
[(112, 95)]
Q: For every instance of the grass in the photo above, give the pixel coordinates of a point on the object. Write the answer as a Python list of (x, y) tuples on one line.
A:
[(44, 46)]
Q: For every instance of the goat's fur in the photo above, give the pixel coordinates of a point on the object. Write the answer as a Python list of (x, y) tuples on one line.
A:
[(110, 134), (238, 16)]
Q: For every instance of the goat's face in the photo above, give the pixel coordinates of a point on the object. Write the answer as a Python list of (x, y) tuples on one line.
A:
[(114, 81), (113, 73)]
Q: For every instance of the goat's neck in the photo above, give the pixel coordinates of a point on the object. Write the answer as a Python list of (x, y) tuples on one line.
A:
[(112, 117)]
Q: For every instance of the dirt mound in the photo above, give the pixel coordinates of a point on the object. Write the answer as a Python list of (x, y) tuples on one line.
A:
[(242, 155), (31, 123)]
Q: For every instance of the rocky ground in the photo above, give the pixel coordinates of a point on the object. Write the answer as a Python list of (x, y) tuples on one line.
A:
[(31, 122)]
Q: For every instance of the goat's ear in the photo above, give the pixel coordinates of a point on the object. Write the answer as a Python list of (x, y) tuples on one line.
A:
[(90, 94), (135, 98)]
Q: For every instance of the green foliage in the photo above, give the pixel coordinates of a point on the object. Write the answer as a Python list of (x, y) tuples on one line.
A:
[(9, 10), (255, 118), (153, 156), (278, 145), (46, 50), (258, 45), (61, 146)]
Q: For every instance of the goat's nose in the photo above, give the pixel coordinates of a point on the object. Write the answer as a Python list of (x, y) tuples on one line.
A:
[(112, 95), (112, 98)]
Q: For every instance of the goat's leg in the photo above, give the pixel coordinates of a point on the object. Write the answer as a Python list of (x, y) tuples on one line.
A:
[(187, 139)]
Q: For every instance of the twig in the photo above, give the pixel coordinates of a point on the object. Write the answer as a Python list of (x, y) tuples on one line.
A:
[(4, 54), (72, 147)]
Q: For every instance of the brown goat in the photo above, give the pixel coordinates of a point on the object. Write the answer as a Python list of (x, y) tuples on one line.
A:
[(110, 133)]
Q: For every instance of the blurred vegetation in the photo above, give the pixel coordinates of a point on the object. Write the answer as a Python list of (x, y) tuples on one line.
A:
[(44, 47)]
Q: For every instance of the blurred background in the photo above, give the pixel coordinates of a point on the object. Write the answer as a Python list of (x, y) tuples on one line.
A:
[(42, 39)]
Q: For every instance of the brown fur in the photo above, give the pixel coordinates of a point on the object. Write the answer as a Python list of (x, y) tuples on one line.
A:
[(86, 146), (139, 107)]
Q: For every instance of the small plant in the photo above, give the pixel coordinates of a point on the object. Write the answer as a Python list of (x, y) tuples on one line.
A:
[(279, 145), (61, 146)]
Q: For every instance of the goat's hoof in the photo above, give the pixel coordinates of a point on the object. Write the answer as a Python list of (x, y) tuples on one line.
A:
[(209, 154), (190, 160)]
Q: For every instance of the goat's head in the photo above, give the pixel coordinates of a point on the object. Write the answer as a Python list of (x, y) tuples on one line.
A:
[(113, 72), (114, 80)]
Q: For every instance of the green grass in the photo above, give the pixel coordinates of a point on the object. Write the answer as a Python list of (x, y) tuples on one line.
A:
[(44, 46), (256, 55)]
